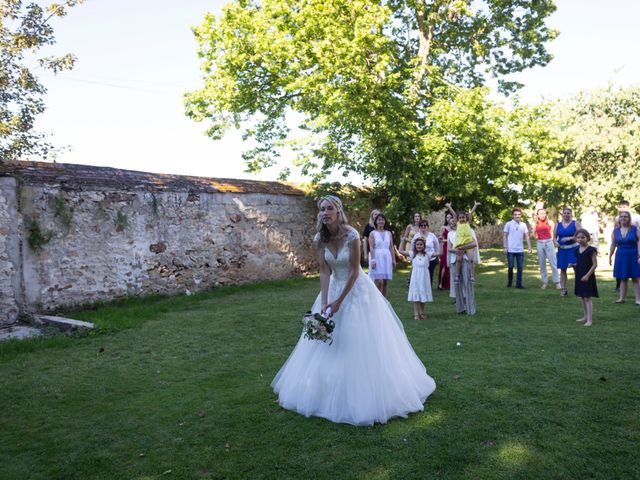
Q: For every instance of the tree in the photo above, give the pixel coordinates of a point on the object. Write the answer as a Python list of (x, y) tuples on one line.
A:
[(603, 128), (478, 149), (24, 29), (364, 76)]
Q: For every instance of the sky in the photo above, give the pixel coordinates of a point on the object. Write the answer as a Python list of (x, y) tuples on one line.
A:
[(122, 105)]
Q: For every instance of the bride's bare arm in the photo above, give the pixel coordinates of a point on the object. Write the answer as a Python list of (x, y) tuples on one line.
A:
[(325, 273), (354, 270)]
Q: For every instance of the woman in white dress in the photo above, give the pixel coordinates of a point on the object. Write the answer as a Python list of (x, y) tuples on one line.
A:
[(383, 259), (369, 373)]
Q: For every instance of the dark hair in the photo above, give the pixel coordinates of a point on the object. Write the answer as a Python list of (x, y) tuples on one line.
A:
[(624, 202), (375, 220), (517, 209), (447, 216), (421, 240), (464, 213), (423, 222), (583, 232)]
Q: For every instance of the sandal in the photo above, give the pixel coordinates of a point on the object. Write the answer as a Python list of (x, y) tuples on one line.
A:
[(564, 292), (416, 317)]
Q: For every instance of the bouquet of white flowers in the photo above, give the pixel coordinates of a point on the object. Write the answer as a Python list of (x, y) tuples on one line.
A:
[(317, 327)]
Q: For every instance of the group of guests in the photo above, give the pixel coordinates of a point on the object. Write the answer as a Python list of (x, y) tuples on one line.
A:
[(577, 248), (369, 372), (455, 251), (562, 246)]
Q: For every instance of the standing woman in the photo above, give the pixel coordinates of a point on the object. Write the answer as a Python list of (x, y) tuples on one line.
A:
[(564, 234), (368, 228), (453, 225), (369, 373), (443, 274), (464, 291), (545, 247), (626, 240), (409, 233), (382, 256)]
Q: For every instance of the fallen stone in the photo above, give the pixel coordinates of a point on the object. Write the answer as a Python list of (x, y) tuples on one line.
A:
[(62, 323), (18, 332)]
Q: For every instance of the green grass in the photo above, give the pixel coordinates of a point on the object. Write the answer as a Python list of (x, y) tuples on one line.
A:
[(179, 387)]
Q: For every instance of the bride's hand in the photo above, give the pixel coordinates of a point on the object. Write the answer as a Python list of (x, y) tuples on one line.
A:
[(334, 306)]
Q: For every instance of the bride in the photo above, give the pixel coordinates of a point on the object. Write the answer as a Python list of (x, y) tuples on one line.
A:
[(370, 372)]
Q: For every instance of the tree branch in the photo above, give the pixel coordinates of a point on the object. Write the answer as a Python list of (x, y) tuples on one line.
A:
[(426, 28)]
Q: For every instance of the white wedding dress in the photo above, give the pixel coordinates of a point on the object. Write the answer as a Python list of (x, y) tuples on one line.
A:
[(369, 373)]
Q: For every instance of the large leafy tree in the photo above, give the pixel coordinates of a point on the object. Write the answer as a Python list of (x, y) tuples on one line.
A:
[(478, 149), (366, 80), (603, 128), (24, 29)]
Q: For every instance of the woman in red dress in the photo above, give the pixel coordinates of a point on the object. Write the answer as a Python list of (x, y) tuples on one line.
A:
[(443, 274)]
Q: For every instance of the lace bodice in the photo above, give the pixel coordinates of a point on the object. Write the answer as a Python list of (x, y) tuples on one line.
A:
[(340, 263)]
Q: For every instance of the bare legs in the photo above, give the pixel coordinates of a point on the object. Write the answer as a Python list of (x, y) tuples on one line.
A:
[(383, 286), (418, 311), (563, 281), (587, 311), (624, 286)]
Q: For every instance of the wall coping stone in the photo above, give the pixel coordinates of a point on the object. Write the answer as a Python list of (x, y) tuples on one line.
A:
[(73, 176)]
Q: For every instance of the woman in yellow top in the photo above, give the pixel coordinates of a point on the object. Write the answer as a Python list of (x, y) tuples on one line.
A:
[(409, 233), (463, 237)]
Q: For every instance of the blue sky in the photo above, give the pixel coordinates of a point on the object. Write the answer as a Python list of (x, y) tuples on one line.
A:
[(122, 104)]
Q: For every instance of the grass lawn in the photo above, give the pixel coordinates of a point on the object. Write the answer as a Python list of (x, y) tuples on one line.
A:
[(179, 388)]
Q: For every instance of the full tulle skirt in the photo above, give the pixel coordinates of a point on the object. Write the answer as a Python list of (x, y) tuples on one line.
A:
[(369, 374)]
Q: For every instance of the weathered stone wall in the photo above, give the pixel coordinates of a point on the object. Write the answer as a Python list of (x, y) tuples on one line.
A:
[(98, 243), (9, 278)]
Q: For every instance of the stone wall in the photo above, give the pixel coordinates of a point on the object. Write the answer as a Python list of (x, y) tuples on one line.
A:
[(102, 233), (9, 252)]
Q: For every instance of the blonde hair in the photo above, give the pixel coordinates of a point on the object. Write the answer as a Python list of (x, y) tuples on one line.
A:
[(372, 217), (321, 228)]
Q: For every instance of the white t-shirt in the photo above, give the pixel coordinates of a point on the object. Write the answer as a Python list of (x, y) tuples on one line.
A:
[(589, 221), (515, 235)]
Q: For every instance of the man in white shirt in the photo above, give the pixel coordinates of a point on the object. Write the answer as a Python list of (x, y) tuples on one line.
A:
[(589, 221), (515, 232), (624, 206)]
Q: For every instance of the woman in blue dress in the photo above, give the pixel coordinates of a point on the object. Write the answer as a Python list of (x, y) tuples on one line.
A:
[(564, 234), (625, 242)]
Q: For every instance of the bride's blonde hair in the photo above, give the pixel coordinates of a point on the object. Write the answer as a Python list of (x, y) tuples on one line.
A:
[(321, 228)]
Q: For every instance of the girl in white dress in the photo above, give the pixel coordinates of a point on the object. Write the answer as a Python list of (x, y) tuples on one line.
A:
[(420, 285), (369, 373), (383, 259)]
